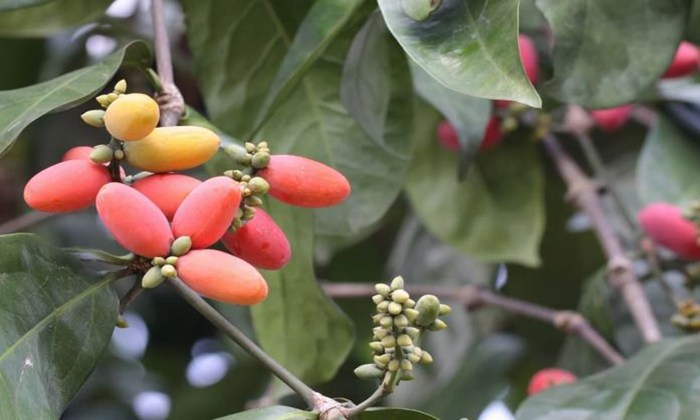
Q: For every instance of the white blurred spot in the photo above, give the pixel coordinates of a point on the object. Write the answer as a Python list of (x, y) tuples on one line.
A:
[(496, 411), (130, 343), (579, 222), (151, 405), (99, 46), (501, 276), (122, 8), (207, 369)]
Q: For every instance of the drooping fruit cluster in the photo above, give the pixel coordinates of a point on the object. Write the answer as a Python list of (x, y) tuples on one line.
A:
[(168, 220), (547, 378), (504, 116), (400, 323)]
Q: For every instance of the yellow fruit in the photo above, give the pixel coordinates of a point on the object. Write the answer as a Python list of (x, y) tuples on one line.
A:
[(169, 149), (131, 117)]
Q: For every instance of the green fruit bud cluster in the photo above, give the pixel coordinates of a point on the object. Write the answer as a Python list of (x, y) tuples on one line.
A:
[(163, 268), (250, 155), (399, 324), (688, 316)]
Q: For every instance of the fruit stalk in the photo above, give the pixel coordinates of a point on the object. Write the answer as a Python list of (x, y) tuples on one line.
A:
[(583, 192)]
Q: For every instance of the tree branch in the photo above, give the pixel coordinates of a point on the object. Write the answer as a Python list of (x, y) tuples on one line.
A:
[(172, 105), (475, 297), (584, 194), (24, 221)]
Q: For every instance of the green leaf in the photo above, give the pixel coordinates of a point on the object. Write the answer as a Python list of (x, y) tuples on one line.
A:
[(394, 414), (56, 321), (468, 46), (297, 324), (668, 165), (693, 30), (657, 383), (48, 18), (18, 4), (496, 214), (272, 413), (607, 53), (20, 107), (320, 26)]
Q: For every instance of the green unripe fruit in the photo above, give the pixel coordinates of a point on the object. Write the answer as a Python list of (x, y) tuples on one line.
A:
[(428, 308), (368, 371), (426, 358), (388, 342), (383, 306), (260, 160), (377, 299), (386, 322), (399, 296), (445, 309), (407, 375), (94, 117), (411, 314), (413, 332), (382, 289), (159, 261), (258, 185), (400, 321), (380, 332), (382, 360), (168, 271), (171, 260), (406, 365), (413, 358), (101, 154), (376, 346), (437, 325), (409, 304), (395, 308), (404, 340), (120, 87), (393, 366), (152, 278), (397, 283), (419, 10), (119, 154), (250, 147), (181, 246), (417, 351)]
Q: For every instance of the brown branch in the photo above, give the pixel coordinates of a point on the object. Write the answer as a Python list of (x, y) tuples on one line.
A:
[(172, 105), (583, 192), (475, 297), (24, 221)]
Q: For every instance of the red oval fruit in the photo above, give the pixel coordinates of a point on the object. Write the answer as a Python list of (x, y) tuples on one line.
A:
[(449, 139), (304, 182), (547, 378), (684, 62), (611, 119), (528, 56), (222, 276), (66, 186), (492, 134), (207, 212), (78, 153), (260, 242), (135, 222), (167, 191), (665, 225)]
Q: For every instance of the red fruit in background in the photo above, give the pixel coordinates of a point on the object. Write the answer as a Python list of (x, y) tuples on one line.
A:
[(260, 242), (304, 182), (665, 225), (684, 62), (611, 119), (135, 222), (547, 378), (222, 276), (528, 56), (66, 186), (492, 134), (208, 211), (449, 139), (167, 191), (78, 153)]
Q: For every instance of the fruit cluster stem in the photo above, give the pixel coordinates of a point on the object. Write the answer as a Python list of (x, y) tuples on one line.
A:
[(474, 297), (583, 192), (172, 105), (25, 221)]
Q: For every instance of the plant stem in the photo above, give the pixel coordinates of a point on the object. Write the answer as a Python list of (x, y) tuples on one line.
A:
[(303, 390), (24, 221), (378, 394), (170, 99), (584, 194), (475, 297)]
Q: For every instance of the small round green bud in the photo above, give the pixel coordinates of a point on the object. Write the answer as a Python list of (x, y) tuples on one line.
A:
[(397, 283), (119, 154), (395, 308), (408, 349), (260, 160), (382, 360), (377, 318), (263, 145), (237, 175), (419, 10), (409, 304), (404, 340), (426, 358), (235, 152), (248, 213), (158, 261), (172, 260), (383, 306), (368, 371), (393, 366), (428, 307), (377, 299), (168, 270), (250, 147), (406, 365), (101, 154), (236, 224), (445, 309), (407, 375), (388, 342), (181, 246), (413, 358), (400, 321), (253, 201), (245, 160), (121, 322), (376, 346), (258, 185), (103, 100), (413, 332), (152, 278), (399, 296), (111, 97), (120, 87), (437, 325), (386, 321), (380, 332), (94, 117), (411, 314), (417, 351), (382, 289)]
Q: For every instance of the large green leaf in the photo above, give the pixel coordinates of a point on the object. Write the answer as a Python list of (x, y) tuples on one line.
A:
[(320, 26), (660, 382), (277, 412), (668, 165), (20, 107), (606, 52), (56, 321), (496, 214), (468, 46), (297, 324), (394, 414), (18, 4), (48, 18)]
